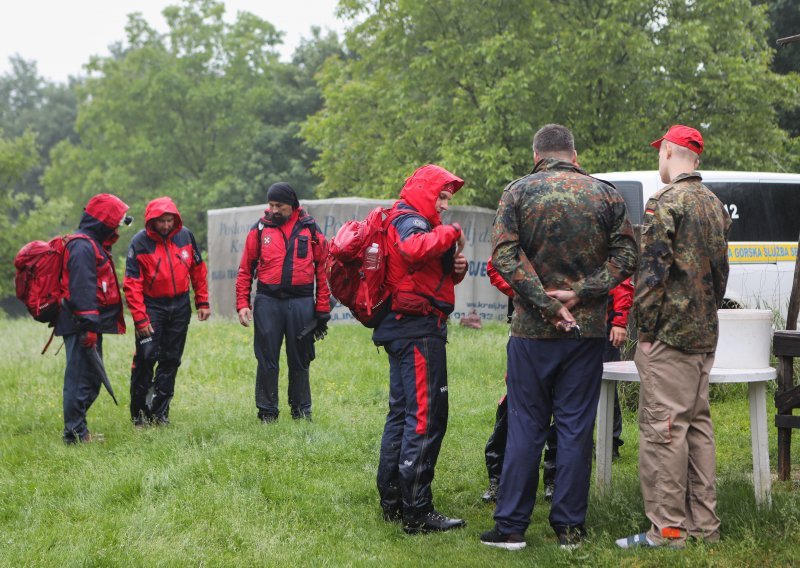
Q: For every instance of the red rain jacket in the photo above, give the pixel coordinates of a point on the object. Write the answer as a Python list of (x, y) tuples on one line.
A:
[(620, 300), (163, 267), (288, 262), (417, 245)]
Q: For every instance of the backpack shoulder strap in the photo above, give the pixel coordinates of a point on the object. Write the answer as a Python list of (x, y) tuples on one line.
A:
[(260, 226)]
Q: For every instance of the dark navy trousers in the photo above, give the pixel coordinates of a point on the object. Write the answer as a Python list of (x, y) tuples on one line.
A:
[(170, 320), (559, 378), (82, 384), (276, 318), (415, 425)]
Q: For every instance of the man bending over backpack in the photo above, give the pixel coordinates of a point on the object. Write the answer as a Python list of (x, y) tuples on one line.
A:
[(92, 306), (162, 260), (424, 263)]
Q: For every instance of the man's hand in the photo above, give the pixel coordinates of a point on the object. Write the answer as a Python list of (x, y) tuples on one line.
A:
[(461, 240), (245, 316), (567, 297), (144, 331), (460, 264), (645, 347), (89, 339), (617, 336), (564, 320), (203, 313)]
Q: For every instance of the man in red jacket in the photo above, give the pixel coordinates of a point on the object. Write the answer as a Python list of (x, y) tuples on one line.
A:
[(163, 259), (285, 251), (424, 263), (92, 307)]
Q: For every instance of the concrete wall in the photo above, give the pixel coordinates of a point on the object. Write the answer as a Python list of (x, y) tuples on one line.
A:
[(227, 229)]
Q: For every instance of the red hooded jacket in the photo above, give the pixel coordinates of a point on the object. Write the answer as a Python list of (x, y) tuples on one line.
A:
[(419, 266), (92, 300), (163, 267)]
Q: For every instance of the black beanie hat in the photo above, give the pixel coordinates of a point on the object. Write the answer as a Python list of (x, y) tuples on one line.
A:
[(282, 192)]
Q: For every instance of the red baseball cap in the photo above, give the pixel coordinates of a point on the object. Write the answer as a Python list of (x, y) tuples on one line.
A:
[(685, 136)]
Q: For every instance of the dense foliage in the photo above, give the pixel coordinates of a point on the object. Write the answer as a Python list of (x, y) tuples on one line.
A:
[(466, 84), (207, 114)]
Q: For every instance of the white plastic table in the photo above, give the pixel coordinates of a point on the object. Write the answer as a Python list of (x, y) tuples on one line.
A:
[(757, 381)]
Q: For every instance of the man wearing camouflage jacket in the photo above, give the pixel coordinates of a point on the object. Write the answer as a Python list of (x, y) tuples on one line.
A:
[(679, 287), (562, 240)]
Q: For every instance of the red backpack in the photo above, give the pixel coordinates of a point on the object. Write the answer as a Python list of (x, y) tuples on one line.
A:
[(360, 285), (39, 267)]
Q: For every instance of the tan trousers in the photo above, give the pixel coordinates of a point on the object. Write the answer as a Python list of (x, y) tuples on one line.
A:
[(677, 461)]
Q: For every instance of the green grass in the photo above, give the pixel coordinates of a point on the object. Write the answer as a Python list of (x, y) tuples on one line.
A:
[(219, 488)]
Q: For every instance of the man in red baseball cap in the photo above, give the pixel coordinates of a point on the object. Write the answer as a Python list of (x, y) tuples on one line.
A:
[(680, 284), (685, 143)]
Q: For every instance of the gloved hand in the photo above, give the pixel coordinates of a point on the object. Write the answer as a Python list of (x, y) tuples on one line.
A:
[(89, 339), (321, 331), (322, 317)]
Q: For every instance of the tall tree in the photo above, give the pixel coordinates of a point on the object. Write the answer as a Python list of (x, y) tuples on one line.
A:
[(29, 102), (466, 83), (204, 113)]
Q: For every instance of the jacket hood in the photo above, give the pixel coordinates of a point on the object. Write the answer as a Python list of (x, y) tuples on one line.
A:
[(156, 209), (102, 216), (422, 189)]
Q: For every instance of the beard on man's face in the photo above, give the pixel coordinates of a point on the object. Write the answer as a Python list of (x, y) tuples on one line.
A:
[(278, 219)]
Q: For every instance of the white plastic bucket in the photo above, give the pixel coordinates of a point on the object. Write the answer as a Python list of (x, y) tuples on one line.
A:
[(745, 338)]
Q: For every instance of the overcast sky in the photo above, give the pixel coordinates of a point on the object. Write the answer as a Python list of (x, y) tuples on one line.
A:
[(61, 35)]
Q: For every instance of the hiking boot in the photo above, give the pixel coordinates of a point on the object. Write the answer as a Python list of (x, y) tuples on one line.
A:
[(490, 495), (160, 420), (393, 514), (432, 522), (549, 490), (87, 438), (615, 448), (268, 418), (141, 422), (549, 476), (571, 538), (512, 541)]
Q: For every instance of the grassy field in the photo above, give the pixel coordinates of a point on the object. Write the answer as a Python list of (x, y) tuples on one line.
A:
[(218, 488)]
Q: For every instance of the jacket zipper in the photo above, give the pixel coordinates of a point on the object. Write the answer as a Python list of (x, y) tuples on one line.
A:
[(155, 275), (171, 268)]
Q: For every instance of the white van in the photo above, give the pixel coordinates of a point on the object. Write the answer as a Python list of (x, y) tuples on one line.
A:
[(762, 248)]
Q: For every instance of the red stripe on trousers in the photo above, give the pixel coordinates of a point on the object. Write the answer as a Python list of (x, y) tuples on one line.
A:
[(421, 372)]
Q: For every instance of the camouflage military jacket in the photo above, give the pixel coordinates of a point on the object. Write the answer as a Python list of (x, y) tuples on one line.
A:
[(683, 269), (559, 229)]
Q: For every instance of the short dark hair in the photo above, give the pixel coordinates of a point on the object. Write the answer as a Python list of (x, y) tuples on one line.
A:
[(553, 139)]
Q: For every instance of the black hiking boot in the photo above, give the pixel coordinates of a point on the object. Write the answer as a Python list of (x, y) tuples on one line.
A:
[(432, 522)]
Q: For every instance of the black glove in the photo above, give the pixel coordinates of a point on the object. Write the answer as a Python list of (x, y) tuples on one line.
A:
[(322, 325), (321, 331)]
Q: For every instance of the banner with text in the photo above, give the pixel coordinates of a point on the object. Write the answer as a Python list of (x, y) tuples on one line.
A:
[(227, 229)]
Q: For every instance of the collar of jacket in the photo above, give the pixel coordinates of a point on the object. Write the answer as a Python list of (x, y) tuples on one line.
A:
[(684, 176), (549, 164)]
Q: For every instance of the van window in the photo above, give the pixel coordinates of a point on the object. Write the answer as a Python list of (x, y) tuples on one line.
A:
[(631, 192), (760, 211)]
